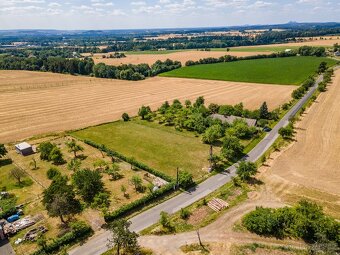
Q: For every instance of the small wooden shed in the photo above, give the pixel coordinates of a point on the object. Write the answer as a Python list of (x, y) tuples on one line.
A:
[(24, 149)]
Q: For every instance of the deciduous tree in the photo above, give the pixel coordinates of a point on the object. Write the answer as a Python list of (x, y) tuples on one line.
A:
[(88, 183), (246, 170), (122, 238), (17, 174), (59, 199), (74, 147)]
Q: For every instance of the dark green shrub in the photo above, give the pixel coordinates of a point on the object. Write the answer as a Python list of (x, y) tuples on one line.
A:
[(53, 172)]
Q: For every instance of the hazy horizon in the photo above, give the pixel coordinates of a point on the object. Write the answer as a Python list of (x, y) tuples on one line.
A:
[(159, 14)]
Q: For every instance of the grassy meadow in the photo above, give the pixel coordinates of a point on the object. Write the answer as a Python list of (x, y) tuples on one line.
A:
[(159, 147), (286, 71)]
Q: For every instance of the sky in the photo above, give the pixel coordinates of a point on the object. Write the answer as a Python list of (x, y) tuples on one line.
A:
[(114, 14)]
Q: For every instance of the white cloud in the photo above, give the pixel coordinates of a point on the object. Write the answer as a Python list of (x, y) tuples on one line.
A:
[(138, 3), (102, 4), (54, 4)]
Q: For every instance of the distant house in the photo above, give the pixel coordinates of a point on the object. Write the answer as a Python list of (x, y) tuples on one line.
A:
[(337, 53), (231, 119), (24, 149)]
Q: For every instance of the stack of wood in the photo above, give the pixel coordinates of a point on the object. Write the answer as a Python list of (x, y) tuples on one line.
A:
[(217, 204)]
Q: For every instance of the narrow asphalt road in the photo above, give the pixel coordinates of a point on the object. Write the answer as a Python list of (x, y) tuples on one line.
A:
[(98, 244)]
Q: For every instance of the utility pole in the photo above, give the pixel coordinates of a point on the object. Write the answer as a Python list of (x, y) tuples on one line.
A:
[(177, 178)]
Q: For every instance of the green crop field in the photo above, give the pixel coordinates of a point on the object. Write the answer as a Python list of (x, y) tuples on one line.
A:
[(290, 70), (160, 147)]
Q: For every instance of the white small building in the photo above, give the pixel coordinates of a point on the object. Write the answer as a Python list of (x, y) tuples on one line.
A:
[(24, 149)]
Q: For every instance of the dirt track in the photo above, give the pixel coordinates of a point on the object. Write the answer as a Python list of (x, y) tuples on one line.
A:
[(310, 167), (220, 231), (182, 56), (35, 103)]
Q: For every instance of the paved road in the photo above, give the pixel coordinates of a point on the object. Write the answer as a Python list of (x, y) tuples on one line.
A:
[(97, 245), (6, 248)]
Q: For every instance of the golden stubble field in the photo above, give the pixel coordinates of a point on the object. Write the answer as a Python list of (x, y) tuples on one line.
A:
[(34, 103), (310, 167), (182, 56), (314, 41)]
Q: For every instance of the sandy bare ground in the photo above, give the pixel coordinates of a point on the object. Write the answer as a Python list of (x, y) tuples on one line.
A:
[(310, 167), (46, 102), (221, 231), (182, 56)]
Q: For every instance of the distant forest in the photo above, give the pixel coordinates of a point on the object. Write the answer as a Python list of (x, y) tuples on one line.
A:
[(134, 40)]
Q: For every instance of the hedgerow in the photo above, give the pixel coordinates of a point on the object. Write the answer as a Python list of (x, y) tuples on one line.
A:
[(131, 161), (135, 205), (79, 231)]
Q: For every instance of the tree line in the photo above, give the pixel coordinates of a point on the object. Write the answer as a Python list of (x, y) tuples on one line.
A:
[(86, 66), (50, 64), (134, 72)]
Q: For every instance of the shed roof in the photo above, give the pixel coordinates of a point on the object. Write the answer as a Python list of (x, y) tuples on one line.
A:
[(231, 119), (23, 146)]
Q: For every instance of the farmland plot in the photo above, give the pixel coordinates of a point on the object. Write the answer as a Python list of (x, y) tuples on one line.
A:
[(34, 103)]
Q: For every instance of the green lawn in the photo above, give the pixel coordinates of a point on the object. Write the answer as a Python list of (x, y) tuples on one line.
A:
[(160, 147), (7, 182), (290, 70)]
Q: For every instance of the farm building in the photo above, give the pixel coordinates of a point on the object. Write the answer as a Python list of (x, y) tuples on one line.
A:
[(231, 119), (24, 149)]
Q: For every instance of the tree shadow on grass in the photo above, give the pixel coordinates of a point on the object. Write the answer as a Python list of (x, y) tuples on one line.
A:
[(5, 162), (254, 181)]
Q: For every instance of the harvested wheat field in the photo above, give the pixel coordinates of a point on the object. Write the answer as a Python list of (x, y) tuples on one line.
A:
[(44, 102), (310, 167), (182, 56), (315, 41)]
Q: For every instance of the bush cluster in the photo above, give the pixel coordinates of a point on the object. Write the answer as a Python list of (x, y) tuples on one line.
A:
[(305, 220), (50, 152), (79, 231), (7, 206)]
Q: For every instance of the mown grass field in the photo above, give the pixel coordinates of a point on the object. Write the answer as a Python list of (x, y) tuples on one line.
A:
[(158, 146), (289, 71)]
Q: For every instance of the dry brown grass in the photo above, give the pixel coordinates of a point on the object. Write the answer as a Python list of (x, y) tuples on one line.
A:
[(182, 56), (310, 167), (32, 195), (35, 103)]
